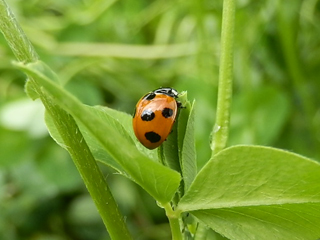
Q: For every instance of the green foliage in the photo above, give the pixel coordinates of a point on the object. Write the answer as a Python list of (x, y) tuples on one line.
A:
[(188, 160), (110, 53), (249, 120), (159, 181), (248, 192)]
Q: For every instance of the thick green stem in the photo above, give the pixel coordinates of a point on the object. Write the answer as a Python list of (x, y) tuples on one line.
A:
[(71, 135), (221, 129), (88, 169), (16, 38), (174, 222)]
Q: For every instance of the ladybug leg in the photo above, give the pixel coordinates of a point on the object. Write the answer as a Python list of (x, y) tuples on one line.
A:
[(179, 105)]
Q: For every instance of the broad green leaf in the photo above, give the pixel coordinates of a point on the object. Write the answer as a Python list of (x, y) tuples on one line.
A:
[(159, 181), (123, 122), (254, 192), (95, 147), (118, 120), (276, 222)]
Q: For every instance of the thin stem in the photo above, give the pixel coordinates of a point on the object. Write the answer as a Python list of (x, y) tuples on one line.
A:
[(174, 222), (68, 130), (221, 129)]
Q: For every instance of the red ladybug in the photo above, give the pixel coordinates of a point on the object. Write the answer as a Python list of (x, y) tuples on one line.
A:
[(154, 116)]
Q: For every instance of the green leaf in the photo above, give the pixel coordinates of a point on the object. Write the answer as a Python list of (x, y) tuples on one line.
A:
[(95, 147), (187, 151), (253, 192), (159, 181), (30, 91), (169, 151), (178, 152), (120, 121), (29, 88)]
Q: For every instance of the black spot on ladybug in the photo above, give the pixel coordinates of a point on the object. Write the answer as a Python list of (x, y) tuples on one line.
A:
[(167, 112), (150, 96), (152, 137), (147, 115)]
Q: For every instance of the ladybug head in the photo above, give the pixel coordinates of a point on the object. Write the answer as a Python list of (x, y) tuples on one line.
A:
[(167, 91)]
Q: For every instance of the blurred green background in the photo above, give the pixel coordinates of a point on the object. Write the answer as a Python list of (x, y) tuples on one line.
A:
[(110, 53)]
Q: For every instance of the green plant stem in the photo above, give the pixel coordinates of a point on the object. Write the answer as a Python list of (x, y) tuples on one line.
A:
[(221, 129), (16, 38), (173, 217), (88, 169), (71, 135)]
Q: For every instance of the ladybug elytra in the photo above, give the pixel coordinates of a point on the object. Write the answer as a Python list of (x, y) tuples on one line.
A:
[(154, 116)]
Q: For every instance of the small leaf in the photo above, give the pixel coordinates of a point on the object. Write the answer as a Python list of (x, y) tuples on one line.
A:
[(187, 151), (170, 150), (178, 152), (253, 192)]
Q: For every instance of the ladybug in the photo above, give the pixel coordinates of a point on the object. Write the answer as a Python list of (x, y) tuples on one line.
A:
[(154, 116)]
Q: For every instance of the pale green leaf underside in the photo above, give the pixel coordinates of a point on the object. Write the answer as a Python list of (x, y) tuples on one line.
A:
[(276, 222), (252, 192), (95, 147), (120, 121)]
